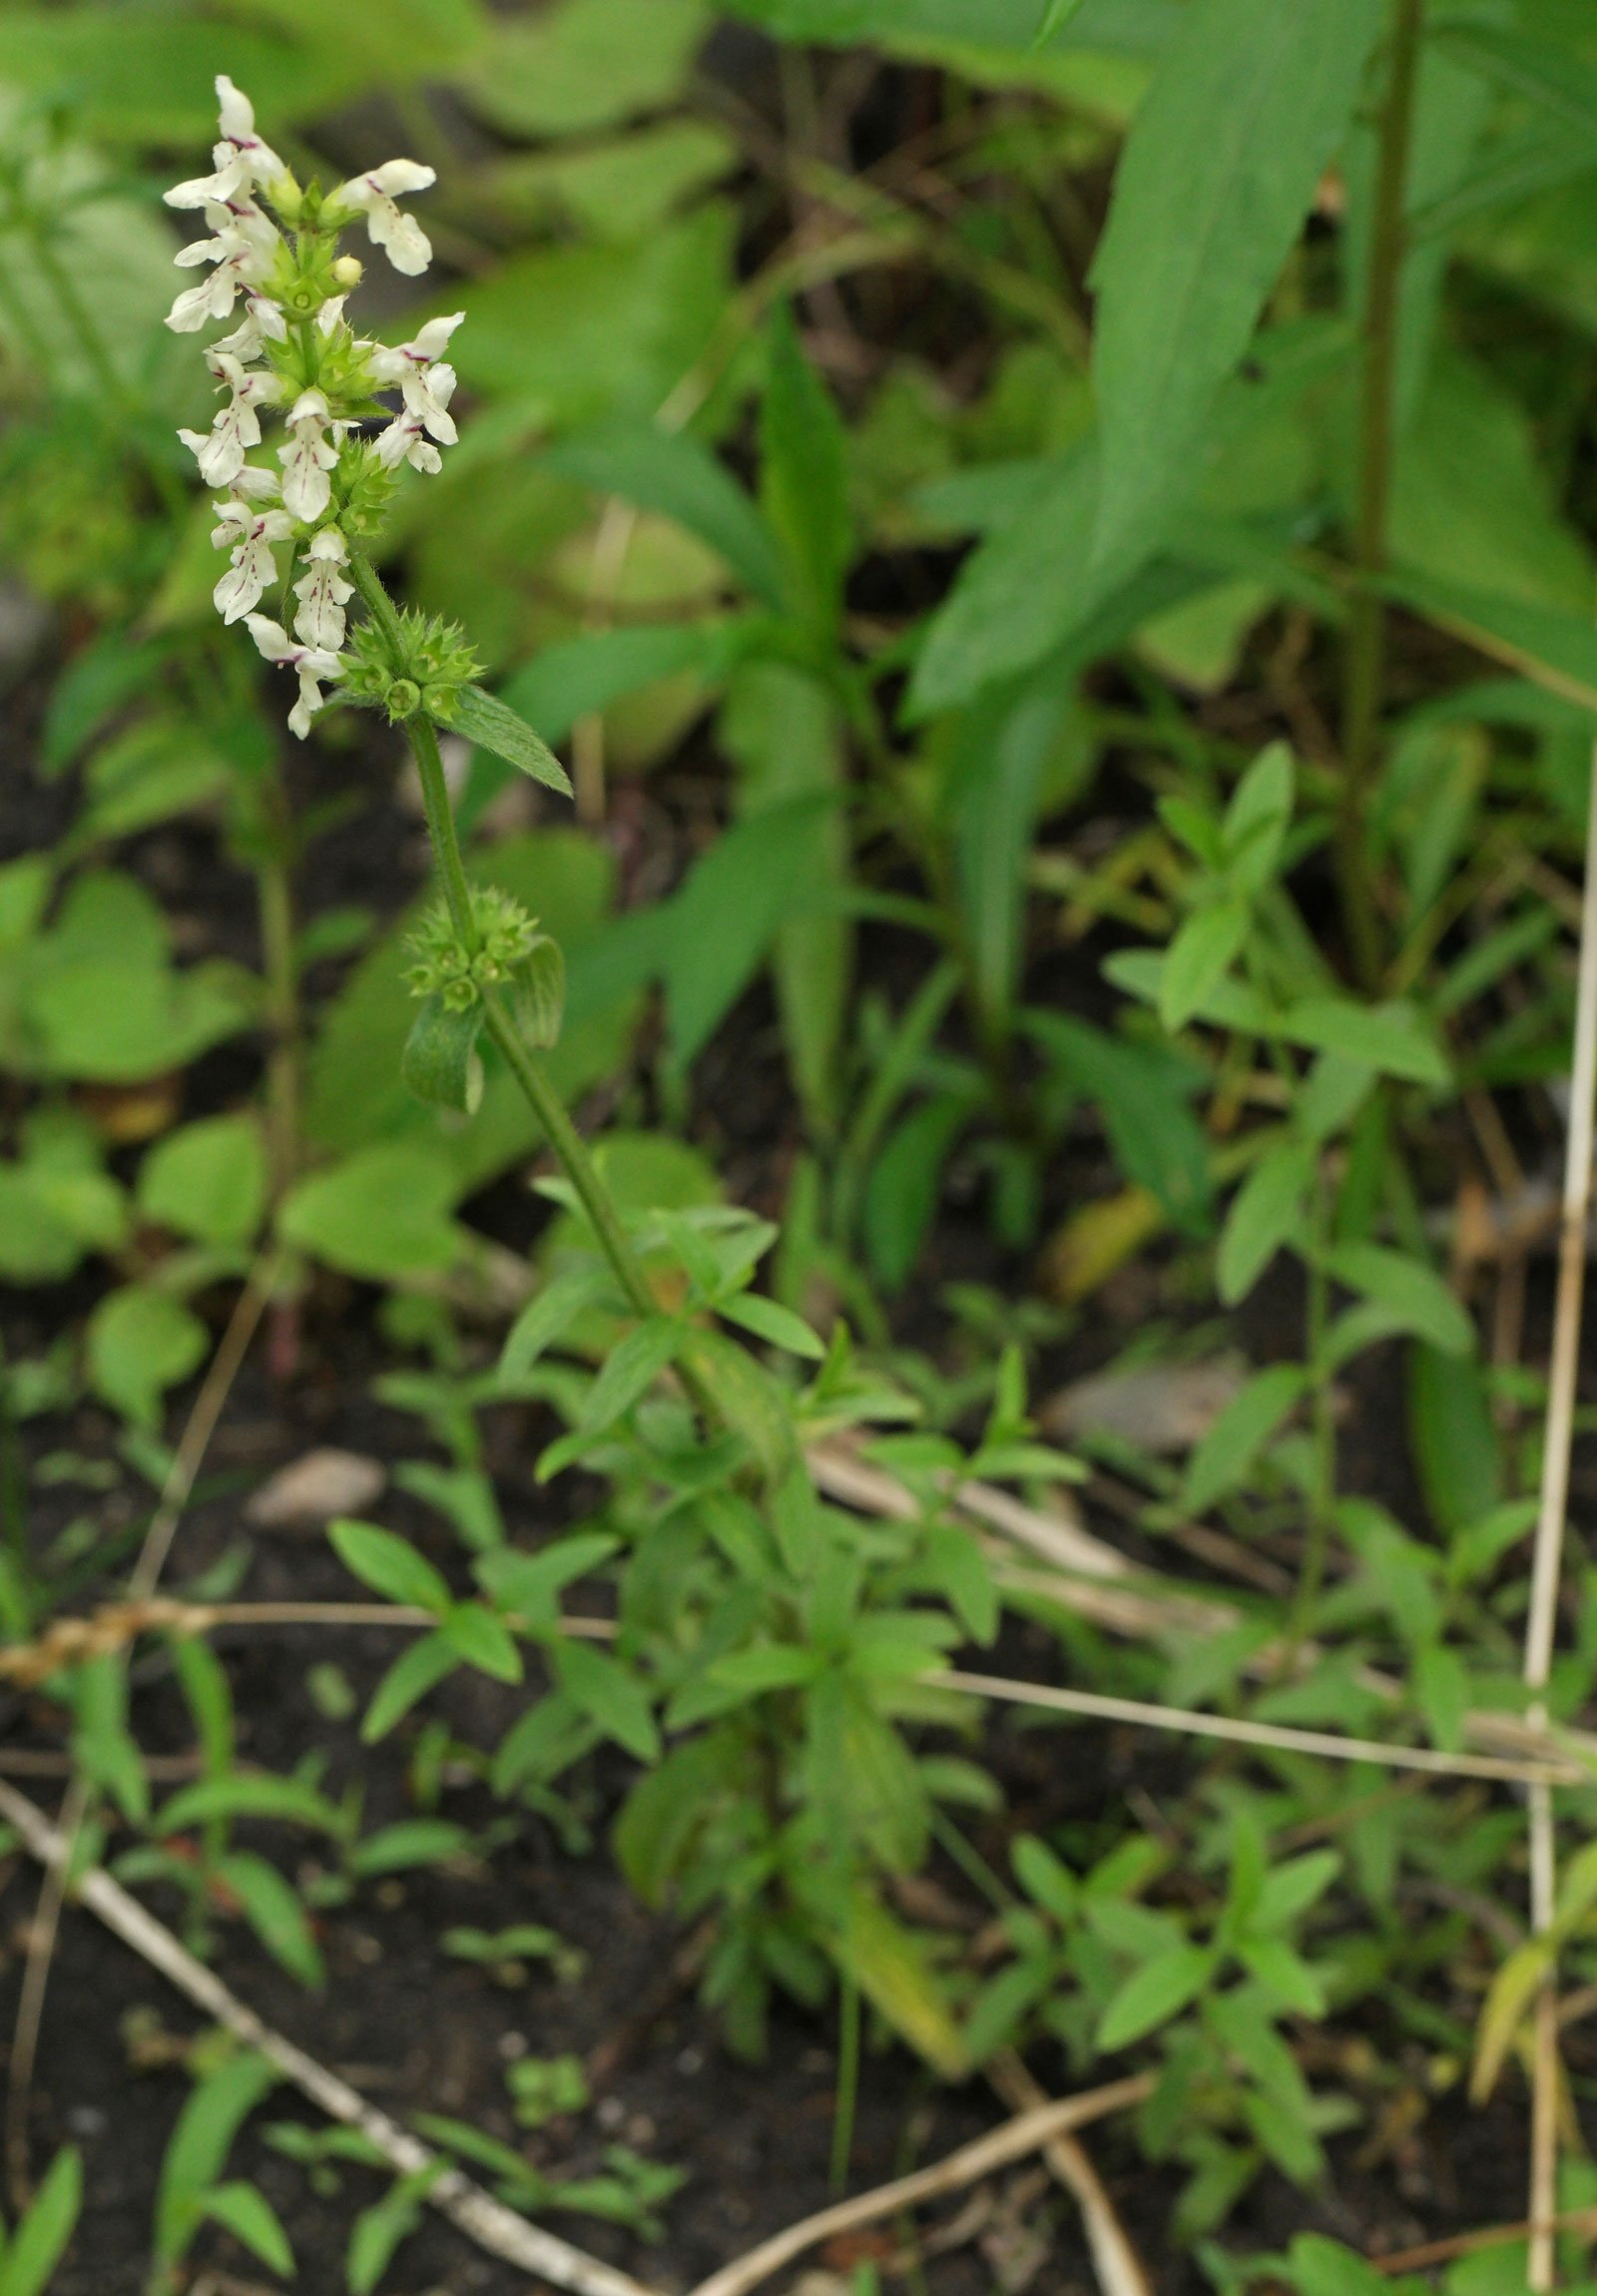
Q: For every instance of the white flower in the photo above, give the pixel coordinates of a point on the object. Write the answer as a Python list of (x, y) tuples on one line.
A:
[(307, 457), (373, 195), (261, 321), (260, 485), (310, 663), (405, 440), (220, 451), (241, 250), (323, 592), (240, 160), (392, 365), (250, 533)]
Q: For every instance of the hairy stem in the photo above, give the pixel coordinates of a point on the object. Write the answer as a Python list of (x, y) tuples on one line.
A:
[(1365, 661), (572, 1151)]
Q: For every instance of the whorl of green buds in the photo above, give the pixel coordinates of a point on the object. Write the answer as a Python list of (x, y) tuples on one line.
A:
[(433, 662), (506, 936)]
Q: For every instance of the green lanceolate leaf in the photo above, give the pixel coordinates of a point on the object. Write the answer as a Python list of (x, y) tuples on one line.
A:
[(1411, 1294), (37, 2245), (1154, 1993), (1266, 1212), (390, 1566), (1228, 1451), (441, 1063), (483, 719), (804, 475), (1247, 107)]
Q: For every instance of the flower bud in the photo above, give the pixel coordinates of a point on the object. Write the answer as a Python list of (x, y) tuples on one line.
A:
[(348, 271)]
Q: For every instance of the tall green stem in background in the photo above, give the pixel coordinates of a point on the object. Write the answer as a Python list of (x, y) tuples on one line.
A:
[(1366, 629)]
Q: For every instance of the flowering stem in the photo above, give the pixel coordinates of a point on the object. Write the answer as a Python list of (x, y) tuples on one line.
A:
[(572, 1151), (545, 1102)]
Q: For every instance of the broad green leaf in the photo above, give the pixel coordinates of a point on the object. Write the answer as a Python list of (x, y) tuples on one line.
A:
[(1265, 1213), (673, 473), (141, 1342), (381, 1212), (1412, 1295), (584, 64), (1222, 1460), (38, 2244), (208, 1180), (390, 1566), (1247, 107), (482, 718), (1160, 1989)]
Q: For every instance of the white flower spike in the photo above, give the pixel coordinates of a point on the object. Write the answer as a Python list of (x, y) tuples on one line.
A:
[(407, 244), (293, 348), (312, 664)]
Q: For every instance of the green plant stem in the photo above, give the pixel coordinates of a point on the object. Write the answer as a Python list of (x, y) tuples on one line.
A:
[(572, 1151), (545, 1102), (848, 2099), (1365, 659), (1322, 1440)]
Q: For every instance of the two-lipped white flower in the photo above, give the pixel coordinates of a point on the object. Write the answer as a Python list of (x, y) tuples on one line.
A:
[(313, 664), (307, 457), (408, 245), (220, 450), (241, 160), (247, 532), (243, 247), (426, 384), (323, 592)]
